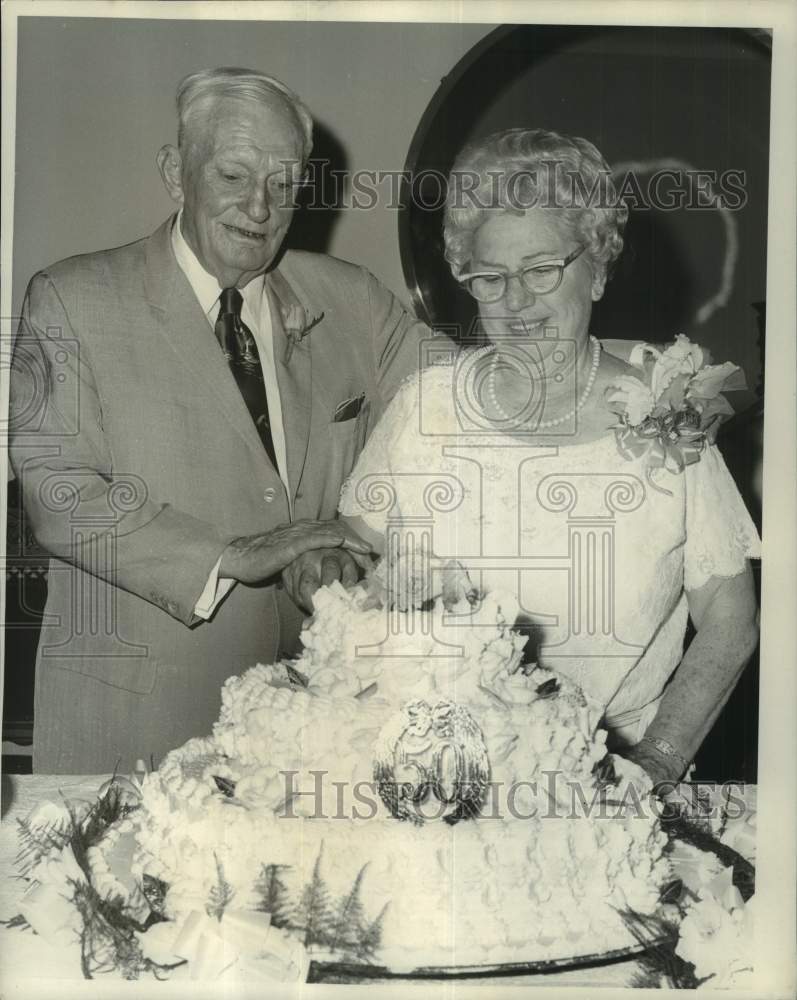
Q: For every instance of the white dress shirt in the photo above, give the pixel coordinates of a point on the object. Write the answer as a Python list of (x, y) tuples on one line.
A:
[(256, 314)]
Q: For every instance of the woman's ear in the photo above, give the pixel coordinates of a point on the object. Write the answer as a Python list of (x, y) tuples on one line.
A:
[(598, 281), (170, 165)]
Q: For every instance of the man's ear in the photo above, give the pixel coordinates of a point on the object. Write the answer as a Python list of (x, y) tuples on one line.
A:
[(170, 165)]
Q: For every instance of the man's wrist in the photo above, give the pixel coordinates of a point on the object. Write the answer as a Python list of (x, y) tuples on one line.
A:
[(230, 564)]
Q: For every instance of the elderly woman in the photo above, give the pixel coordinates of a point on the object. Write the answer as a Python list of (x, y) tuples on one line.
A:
[(587, 485)]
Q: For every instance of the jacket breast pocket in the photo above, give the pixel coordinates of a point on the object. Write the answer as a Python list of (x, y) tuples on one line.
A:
[(332, 456), (343, 447), (348, 438)]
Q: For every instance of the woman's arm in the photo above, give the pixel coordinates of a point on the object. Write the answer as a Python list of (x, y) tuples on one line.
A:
[(725, 615)]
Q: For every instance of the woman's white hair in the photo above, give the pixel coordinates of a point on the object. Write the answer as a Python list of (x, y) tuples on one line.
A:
[(519, 168), (198, 92)]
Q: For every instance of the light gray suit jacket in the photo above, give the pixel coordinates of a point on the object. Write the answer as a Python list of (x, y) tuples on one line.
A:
[(139, 461)]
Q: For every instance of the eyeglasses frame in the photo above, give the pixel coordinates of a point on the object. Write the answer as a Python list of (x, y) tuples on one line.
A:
[(562, 262)]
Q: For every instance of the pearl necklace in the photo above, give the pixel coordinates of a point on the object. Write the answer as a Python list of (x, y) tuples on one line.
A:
[(596, 354)]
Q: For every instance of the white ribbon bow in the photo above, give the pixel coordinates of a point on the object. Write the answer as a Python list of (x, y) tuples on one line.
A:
[(243, 941), (47, 903)]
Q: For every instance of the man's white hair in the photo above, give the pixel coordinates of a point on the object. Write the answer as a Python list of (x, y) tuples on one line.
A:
[(198, 92)]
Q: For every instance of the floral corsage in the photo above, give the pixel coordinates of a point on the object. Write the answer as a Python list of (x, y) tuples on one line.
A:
[(297, 326), (667, 415)]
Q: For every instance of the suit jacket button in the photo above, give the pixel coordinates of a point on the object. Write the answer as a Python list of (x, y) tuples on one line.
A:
[(269, 495)]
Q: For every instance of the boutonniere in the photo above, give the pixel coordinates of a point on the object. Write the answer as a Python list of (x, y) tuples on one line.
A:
[(294, 320), (667, 416)]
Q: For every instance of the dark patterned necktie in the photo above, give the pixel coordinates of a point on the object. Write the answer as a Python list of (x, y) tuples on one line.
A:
[(242, 356)]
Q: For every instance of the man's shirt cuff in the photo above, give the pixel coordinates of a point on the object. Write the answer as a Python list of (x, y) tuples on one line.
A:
[(216, 589)]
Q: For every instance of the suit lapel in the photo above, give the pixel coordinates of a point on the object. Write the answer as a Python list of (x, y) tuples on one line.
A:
[(188, 334), (293, 363)]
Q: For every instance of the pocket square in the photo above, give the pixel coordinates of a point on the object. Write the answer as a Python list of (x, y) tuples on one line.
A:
[(349, 408)]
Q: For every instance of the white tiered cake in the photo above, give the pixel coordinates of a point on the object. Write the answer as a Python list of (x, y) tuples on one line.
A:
[(419, 810)]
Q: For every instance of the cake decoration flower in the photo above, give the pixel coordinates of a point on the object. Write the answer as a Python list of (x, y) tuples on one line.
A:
[(668, 415), (716, 937)]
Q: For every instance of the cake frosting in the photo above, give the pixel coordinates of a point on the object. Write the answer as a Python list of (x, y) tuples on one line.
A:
[(412, 810)]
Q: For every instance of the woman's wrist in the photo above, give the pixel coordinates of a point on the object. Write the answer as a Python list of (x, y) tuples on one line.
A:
[(661, 766), (666, 749)]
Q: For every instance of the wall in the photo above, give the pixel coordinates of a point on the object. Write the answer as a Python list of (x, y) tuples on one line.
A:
[(95, 103)]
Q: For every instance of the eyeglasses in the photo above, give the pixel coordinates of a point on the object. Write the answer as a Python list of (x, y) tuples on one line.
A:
[(539, 279)]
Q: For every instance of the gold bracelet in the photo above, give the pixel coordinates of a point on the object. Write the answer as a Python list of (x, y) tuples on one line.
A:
[(665, 748)]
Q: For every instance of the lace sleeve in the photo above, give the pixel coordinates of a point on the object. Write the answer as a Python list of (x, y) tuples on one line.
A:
[(720, 534), (370, 492)]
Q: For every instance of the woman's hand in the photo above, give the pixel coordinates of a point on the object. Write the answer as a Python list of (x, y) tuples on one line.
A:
[(254, 558), (319, 568)]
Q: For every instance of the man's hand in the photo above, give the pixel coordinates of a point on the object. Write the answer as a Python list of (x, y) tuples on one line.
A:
[(319, 568), (254, 558)]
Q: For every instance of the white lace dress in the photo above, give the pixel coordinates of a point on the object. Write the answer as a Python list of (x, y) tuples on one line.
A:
[(597, 553)]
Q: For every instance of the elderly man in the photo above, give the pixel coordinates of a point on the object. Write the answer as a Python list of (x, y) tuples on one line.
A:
[(184, 411)]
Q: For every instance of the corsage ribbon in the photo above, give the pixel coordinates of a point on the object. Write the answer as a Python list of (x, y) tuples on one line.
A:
[(671, 450), (666, 416)]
